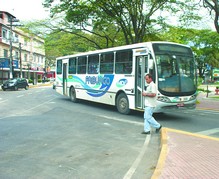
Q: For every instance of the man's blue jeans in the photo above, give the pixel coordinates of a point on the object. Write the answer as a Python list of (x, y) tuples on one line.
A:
[(149, 120)]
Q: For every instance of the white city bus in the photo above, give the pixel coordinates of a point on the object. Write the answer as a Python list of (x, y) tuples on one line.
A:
[(115, 76)]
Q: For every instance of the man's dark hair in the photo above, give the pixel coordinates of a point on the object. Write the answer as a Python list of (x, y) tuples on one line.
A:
[(149, 76)]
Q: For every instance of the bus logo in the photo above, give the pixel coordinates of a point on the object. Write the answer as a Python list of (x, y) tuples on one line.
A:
[(101, 84), (121, 83)]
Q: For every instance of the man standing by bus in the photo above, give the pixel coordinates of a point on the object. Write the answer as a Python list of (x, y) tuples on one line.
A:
[(150, 103)]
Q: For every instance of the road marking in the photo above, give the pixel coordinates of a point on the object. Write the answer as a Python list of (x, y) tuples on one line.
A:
[(135, 165), (209, 132), (121, 120), (137, 161), (27, 110), (20, 96), (3, 101), (49, 95)]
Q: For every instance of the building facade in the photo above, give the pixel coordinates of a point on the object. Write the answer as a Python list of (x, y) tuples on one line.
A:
[(21, 54)]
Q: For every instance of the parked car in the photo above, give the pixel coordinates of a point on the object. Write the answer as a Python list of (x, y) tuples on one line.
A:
[(15, 84)]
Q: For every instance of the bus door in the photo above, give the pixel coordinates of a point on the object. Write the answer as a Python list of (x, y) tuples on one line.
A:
[(64, 78), (141, 59), (141, 70)]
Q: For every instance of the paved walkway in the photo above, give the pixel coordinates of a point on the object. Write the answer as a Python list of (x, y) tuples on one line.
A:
[(208, 102), (190, 156), (187, 155)]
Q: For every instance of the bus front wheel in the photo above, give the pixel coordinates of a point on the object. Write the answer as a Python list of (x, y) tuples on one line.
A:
[(122, 104), (73, 95)]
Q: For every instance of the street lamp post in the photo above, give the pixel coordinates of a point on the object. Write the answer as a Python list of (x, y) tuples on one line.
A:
[(11, 39), (10, 62), (1, 62), (20, 60)]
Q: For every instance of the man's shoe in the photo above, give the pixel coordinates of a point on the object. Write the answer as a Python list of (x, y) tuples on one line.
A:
[(158, 129), (146, 132)]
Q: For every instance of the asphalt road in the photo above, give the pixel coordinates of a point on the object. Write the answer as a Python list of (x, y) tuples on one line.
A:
[(44, 135)]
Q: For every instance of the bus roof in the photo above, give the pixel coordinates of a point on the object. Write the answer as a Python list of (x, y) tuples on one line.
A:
[(132, 46)]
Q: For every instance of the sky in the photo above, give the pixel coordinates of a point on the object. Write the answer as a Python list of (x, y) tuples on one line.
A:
[(24, 10)]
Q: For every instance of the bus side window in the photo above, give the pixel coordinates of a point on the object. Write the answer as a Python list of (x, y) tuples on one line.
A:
[(82, 61), (119, 68), (59, 67), (72, 66), (106, 63), (123, 62), (93, 64)]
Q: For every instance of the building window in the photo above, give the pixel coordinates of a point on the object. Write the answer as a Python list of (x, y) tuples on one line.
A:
[(5, 53), (16, 38), (25, 57), (25, 42), (4, 34), (16, 55)]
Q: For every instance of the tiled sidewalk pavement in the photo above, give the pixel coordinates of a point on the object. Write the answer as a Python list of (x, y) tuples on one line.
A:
[(187, 155), (207, 103)]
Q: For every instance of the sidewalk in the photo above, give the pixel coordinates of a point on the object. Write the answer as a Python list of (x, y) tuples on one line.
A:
[(208, 101), (187, 155), (40, 84)]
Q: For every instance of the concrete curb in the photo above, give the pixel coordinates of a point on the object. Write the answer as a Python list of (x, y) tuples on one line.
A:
[(163, 154), (208, 109), (38, 85)]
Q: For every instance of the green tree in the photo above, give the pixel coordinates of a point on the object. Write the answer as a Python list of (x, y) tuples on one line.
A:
[(107, 20), (61, 44), (213, 7)]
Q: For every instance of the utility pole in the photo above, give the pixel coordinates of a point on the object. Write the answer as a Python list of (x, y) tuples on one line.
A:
[(11, 39), (21, 76)]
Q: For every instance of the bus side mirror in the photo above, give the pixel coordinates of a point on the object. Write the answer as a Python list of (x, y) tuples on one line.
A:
[(150, 63)]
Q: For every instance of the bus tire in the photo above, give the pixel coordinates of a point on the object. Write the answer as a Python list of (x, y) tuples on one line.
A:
[(122, 104), (73, 95)]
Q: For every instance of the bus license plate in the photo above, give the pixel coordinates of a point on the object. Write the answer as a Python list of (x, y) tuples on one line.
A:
[(180, 104)]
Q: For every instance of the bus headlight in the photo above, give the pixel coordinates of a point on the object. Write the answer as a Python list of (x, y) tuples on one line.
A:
[(193, 97), (163, 99)]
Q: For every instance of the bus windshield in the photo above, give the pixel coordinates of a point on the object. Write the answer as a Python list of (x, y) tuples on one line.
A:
[(176, 72)]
